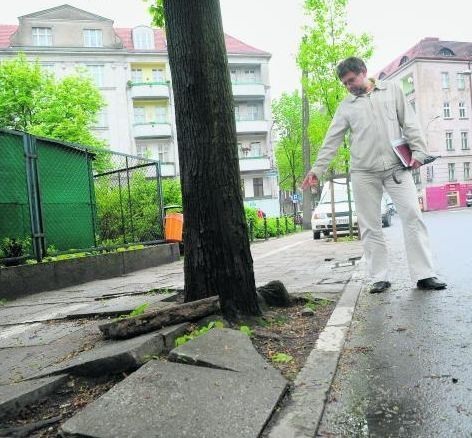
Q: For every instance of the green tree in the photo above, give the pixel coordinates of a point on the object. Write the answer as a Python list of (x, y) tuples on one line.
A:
[(287, 115), (325, 44), (33, 101), (217, 255)]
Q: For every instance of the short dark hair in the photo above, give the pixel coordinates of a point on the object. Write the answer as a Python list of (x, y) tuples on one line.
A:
[(356, 65)]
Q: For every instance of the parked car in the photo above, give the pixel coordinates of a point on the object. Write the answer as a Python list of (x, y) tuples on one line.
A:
[(321, 219), (468, 199)]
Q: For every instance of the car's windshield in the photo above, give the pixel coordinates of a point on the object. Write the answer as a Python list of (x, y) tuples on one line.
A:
[(340, 194)]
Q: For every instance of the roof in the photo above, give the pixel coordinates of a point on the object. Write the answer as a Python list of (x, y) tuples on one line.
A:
[(430, 48), (233, 45), (6, 31)]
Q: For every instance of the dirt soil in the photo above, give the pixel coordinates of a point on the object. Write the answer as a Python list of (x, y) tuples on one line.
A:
[(285, 330)]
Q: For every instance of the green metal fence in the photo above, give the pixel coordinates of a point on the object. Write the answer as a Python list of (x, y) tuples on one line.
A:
[(57, 197)]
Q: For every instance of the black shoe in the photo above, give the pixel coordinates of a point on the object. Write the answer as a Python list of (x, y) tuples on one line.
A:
[(380, 286), (430, 283)]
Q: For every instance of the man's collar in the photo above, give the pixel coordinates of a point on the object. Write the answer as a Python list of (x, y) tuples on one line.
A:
[(378, 85)]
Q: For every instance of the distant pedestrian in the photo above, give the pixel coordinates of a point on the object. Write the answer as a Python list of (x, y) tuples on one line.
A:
[(377, 115)]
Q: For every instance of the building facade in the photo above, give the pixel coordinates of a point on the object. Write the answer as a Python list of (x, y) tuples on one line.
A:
[(436, 76), (130, 66)]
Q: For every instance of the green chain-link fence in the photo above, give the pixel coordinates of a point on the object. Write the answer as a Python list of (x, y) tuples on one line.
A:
[(57, 198)]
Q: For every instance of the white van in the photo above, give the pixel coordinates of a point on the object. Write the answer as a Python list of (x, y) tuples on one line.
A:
[(321, 218)]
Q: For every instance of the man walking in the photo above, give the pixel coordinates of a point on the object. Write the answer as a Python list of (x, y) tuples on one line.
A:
[(377, 114)]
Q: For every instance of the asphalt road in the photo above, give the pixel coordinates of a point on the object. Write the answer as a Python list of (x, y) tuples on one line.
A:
[(406, 368)]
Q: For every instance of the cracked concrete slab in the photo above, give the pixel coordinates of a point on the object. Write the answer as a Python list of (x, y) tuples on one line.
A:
[(112, 357), (222, 348), (176, 400), (16, 396)]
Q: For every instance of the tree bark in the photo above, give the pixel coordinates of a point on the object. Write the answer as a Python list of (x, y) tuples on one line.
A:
[(154, 320), (217, 253)]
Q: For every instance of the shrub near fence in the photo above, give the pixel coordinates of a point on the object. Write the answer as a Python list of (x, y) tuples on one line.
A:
[(263, 228), (63, 198)]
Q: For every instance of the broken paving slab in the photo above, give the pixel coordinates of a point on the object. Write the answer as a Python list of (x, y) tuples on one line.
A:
[(174, 400), (222, 348), (113, 357), (16, 396), (119, 306), (39, 333)]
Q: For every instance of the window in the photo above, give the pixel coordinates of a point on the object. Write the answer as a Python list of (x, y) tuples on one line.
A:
[(161, 114), (446, 52), (466, 171), (258, 184), (93, 38), (464, 140), (244, 74), (249, 75), (404, 60), (382, 75), (143, 38), (462, 113), (253, 112), (162, 152), (445, 79), (449, 140), (42, 36), (143, 150), (413, 105), (139, 115), (460, 81), (102, 119), (96, 73), (158, 75), (256, 149), (451, 167), (446, 110), (429, 173), (136, 75), (248, 112)]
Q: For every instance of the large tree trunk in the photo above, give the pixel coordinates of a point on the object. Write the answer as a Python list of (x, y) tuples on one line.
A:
[(217, 254)]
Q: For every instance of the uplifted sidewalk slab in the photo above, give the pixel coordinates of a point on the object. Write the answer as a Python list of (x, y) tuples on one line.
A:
[(222, 348), (16, 396), (113, 357), (174, 400)]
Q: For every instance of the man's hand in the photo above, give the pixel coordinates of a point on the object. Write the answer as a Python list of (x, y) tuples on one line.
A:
[(310, 180), (414, 164)]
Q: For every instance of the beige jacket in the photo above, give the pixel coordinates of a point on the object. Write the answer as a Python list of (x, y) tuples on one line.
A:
[(373, 120)]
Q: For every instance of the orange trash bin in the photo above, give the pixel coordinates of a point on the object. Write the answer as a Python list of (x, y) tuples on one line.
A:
[(174, 223)]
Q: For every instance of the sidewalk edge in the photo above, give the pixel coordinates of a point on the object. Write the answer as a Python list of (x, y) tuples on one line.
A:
[(301, 415)]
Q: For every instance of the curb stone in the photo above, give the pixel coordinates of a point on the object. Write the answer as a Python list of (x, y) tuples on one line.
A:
[(302, 412)]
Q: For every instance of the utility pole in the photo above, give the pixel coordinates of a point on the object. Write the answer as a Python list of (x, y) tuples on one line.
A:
[(333, 209), (307, 206)]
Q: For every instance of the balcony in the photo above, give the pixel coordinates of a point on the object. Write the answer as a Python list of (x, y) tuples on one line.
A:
[(149, 90), (248, 164), (251, 126), (152, 130), (248, 89)]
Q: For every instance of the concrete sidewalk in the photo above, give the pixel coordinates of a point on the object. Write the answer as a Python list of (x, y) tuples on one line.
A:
[(41, 334)]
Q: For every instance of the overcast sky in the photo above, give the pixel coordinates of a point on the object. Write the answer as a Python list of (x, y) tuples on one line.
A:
[(276, 25)]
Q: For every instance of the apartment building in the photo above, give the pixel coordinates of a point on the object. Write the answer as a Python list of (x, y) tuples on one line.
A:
[(436, 76), (130, 66)]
